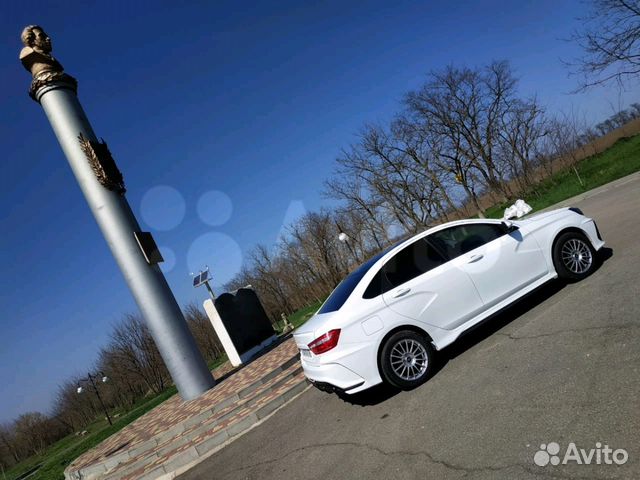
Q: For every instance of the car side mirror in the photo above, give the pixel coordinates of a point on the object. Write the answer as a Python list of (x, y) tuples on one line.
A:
[(509, 226)]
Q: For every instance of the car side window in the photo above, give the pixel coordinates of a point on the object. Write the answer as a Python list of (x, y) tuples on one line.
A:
[(410, 262), (455, 241), (378, 285)]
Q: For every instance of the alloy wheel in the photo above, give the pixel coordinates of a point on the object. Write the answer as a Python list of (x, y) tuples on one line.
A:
[(409, 359), (576, 256)]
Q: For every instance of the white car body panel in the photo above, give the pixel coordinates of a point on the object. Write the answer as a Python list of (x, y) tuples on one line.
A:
[(456, 299), (517, 257), (443, 302)]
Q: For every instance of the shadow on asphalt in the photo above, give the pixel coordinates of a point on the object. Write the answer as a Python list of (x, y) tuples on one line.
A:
[(372, 396), (475, 335)]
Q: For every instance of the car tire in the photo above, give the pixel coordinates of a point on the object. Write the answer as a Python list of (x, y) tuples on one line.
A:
[(573, 256), (406, 359)]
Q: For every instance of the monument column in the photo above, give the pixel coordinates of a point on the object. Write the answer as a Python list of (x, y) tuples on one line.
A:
[(103, 187)]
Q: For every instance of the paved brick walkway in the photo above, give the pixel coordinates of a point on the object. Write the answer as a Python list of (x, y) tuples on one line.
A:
[(176, 432)]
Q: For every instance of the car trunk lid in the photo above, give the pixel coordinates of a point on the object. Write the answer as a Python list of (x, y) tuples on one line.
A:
[(317, 325)]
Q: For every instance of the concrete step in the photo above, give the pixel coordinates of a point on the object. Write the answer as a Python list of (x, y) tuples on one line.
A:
[(160, 436), (202, 445), (197, 426), (217, 412)]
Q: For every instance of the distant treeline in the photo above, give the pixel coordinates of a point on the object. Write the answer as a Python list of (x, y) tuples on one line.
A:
[(462, 142), (133, 365)]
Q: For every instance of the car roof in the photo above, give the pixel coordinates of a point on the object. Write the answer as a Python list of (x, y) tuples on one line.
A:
[(437, 228), (374, 268)]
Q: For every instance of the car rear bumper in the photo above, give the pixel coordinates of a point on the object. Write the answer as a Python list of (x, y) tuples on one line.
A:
[(329, 388), (332, 376), (350, 367)]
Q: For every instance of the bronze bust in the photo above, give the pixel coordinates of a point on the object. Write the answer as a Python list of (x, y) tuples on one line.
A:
[(36, 58)]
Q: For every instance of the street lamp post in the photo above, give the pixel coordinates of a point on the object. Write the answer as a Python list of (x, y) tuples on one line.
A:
[(90, 378)]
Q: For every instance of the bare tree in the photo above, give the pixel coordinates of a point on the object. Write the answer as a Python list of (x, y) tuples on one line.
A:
[(271, 276), (520, 140), (425, 158), (317, 237), (464, 109), (353, 223), (610, 39), (304, 282), (351, 188), (203, 332), (75, 410), (400, 178), (10, 452), (136, 352), (124, 386), (34, 432)]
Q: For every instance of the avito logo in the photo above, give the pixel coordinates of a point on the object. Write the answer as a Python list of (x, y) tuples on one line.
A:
[(600, 455)]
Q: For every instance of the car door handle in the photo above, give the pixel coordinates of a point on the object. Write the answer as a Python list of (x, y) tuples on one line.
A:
[(475, 258), (401, 293)]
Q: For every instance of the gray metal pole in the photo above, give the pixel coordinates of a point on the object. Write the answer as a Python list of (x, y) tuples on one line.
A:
[(213, 296), (111, 210)]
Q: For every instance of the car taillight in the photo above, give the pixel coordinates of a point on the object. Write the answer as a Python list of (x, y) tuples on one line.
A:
[(325, 343)]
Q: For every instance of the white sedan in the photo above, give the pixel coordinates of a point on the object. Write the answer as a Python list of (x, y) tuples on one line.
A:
[(384, 321)]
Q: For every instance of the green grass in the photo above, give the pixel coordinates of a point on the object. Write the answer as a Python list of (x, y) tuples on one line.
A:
[(623, 158), (217, 362), (304, 314), (300, 316)]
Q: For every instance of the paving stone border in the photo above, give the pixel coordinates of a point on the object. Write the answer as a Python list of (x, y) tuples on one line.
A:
[(178, 433)]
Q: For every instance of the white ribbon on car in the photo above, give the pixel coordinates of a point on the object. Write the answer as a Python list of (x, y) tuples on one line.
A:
[(517, 210)]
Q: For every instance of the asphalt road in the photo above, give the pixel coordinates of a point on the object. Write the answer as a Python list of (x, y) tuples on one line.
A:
[(561, 366)]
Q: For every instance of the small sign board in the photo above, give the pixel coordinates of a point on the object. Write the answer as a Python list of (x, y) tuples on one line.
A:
[(149, 248)]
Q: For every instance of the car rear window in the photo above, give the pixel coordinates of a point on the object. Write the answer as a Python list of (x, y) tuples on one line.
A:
[(346, 286)]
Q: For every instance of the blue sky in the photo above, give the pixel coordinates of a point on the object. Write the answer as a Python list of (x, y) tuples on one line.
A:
[(225, 119)]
